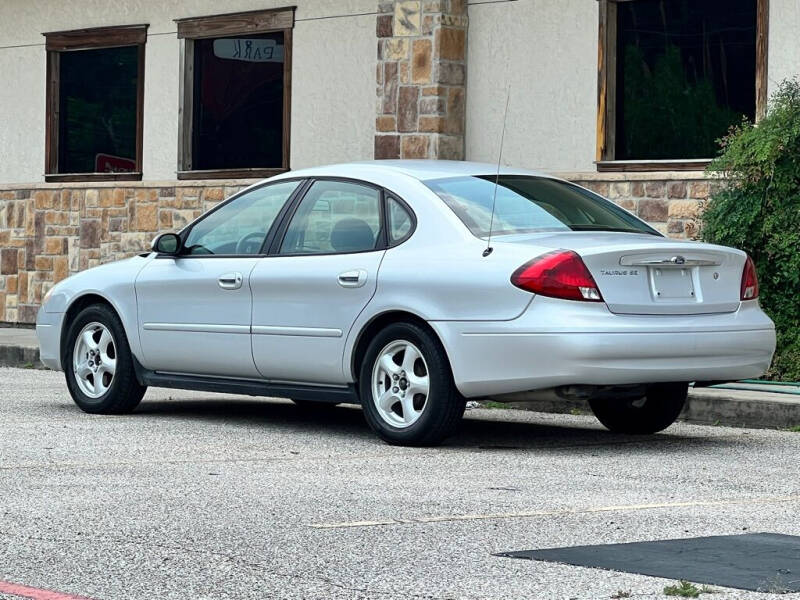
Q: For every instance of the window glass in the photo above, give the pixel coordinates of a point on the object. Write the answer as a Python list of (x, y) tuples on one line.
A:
[(685, 74), (238, 102), (240, 226), (335, 217), (97, 110), (400, 221), (531, 204)]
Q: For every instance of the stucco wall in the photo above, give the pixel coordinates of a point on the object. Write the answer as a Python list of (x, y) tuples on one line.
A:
[(547, 53), (333, 76), (783, 57)]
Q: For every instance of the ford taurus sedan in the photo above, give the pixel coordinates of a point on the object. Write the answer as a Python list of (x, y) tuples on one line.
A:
[(408, 287)]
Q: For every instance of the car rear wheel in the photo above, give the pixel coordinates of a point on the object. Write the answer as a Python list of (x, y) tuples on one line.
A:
[(654, 412), (98, 363), (406, 387)]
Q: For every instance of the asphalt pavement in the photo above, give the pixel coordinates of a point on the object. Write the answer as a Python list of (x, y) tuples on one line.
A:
[(204, 496)]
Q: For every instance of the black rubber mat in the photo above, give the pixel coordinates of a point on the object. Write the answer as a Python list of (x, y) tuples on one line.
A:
[(762, 562)]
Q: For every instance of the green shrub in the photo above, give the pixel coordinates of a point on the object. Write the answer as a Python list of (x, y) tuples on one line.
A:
[(757, 209)]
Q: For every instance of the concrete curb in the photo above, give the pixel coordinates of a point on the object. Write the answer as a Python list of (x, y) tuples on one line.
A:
[(24, 357), (708, 406)]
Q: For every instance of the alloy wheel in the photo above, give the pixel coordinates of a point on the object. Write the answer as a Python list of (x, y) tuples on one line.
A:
[(400, 384), (94, 360)]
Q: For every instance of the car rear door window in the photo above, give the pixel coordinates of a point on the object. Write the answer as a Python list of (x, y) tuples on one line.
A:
[(240, 226), (400, 221), (335, 217)]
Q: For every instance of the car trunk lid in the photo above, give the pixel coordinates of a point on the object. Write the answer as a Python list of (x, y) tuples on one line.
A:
[(646, 274)]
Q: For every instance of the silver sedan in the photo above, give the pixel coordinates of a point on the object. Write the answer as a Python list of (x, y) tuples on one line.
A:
[(408, 287)]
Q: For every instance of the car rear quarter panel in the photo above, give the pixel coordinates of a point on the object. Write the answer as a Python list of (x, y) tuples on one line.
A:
[(562, 342)]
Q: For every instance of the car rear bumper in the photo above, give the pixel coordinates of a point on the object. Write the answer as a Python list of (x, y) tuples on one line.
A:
[(48, 332), (581, 343)]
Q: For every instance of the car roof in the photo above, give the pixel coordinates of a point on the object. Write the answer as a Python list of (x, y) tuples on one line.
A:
[(423, 170)]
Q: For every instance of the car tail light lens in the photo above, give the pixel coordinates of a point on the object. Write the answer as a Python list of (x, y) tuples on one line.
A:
[(749, 281), (559, 274)]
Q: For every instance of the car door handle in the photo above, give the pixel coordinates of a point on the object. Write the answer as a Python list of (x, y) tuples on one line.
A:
[(230, 281), (353, 279)]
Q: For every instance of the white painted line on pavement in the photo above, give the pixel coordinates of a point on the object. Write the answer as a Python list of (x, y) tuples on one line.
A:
[(554, 513)]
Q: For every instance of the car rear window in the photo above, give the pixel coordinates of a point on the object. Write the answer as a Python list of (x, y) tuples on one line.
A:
[(526, 204)]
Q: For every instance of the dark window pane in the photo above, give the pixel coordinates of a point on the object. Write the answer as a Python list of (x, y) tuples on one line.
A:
[(685, 73), (97, 121), (238, 102)]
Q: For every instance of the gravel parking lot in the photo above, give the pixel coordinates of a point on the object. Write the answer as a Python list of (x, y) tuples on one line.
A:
[(207, 496)]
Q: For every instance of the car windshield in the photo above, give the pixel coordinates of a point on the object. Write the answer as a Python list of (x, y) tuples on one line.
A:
[(526, 204)]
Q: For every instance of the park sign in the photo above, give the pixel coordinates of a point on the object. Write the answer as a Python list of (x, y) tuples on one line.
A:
[(249, 50)]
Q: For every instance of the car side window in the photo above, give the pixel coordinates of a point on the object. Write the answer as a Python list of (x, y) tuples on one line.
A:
[(400, 221), (240, 226), (335, 217)]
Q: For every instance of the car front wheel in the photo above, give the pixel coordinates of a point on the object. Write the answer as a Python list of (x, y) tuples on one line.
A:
[(98, 363), (653, 412), (406, 387)]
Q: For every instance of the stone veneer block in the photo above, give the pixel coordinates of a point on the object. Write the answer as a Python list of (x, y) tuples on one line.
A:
[(415, 146), (421, 61), (408, 109), (387, 146), (407, 18)]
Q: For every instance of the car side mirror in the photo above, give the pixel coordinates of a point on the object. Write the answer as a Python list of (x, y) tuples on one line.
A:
[(167, 243)]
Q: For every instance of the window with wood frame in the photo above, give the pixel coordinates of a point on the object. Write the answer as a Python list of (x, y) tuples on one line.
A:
[(236, 94), (95, 98), (673, 76)]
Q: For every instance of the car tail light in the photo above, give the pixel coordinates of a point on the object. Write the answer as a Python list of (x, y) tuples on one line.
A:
[(749, 281), (558, 274)]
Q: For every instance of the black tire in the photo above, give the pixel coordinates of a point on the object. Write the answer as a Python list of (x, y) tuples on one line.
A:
[(314, 405), (444, 406), (124, 392), (656, 411)]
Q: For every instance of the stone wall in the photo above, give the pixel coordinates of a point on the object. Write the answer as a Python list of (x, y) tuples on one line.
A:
[(51, 231), (672, 204), (421, 77)]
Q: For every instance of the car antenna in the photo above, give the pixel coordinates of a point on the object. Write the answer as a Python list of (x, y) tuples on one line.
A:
[(489, 248)]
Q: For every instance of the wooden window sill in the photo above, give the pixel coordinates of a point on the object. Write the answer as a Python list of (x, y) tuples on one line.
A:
[(66, 177), (610, 166), (231, 173)]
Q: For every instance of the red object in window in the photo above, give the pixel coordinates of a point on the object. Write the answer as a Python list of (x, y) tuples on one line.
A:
[(749, 281), (558, 274), (107, 163)]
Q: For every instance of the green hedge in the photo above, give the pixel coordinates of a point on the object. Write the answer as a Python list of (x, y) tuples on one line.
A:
[(757, 209)]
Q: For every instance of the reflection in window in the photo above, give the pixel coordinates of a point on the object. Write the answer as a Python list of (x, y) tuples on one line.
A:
[(526, 204), (238, 102), (97, 110), (335, 217), (685, 74), (400, 222), (241, 226)]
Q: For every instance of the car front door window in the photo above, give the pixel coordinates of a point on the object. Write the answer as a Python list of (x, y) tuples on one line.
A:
[(240, 227)]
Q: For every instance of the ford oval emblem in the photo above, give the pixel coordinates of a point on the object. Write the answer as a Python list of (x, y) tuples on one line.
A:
[(677, 260)]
